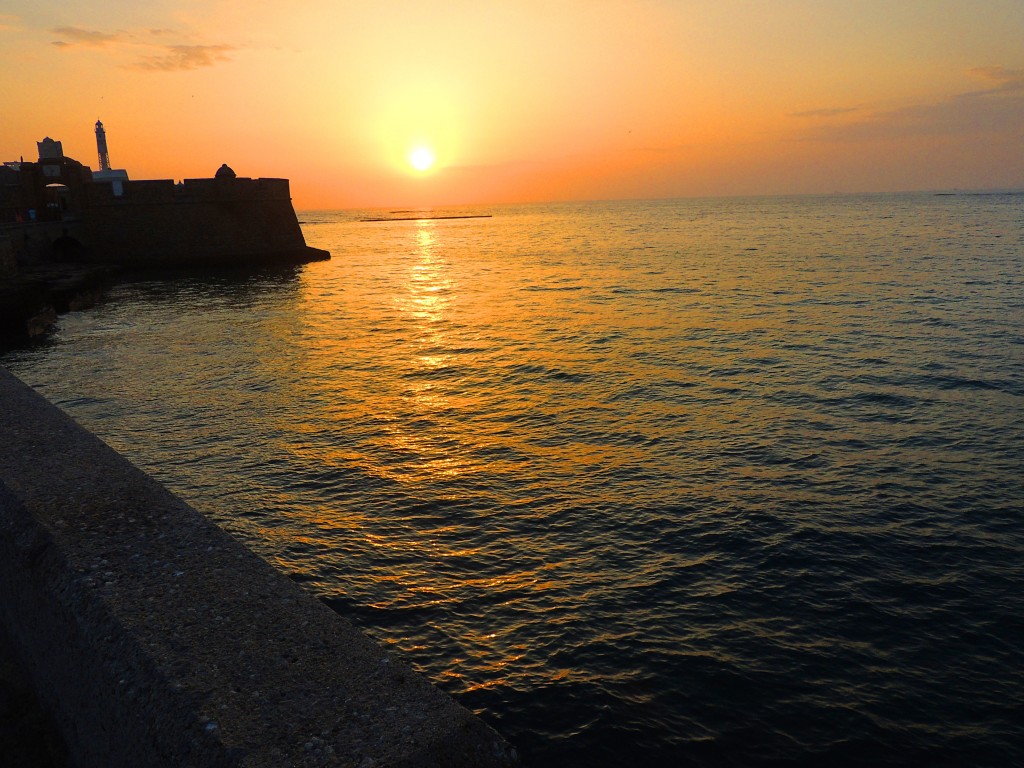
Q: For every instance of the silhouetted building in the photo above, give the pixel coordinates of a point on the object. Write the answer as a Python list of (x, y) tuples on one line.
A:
[(47, 190), (110, 219), (50, 149)]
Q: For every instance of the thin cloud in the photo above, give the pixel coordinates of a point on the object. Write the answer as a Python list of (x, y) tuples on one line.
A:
[(994, 110), (72, 36), (8, 21), (144, 48), (826, 112), (510, 165), (183, 57), (1005, 79), (662, 150)]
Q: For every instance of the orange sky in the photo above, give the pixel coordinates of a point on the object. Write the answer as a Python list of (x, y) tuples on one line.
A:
[(526, 100)]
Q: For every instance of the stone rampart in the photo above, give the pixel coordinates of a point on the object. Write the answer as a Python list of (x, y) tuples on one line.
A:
[(161, 191), (153, 638), (33, 243), (198, 222), (8, 259)]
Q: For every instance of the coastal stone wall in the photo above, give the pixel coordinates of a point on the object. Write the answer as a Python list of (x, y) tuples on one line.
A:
[(33, 243), (154, 638), (8, 261), (199, 222), (154, 191), (37, 283)]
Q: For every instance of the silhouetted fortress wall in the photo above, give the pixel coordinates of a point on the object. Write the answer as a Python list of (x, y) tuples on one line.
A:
[(33, 243), (197, 222), (8, 256), (156, 639)]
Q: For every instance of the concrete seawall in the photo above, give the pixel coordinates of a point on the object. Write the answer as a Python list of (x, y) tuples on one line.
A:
[(153, 638)]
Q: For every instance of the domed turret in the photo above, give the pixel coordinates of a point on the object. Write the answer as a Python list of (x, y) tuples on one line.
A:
[(224, 172)]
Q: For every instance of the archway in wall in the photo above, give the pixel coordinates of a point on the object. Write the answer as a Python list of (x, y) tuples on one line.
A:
[(67, 248), (58, 198)]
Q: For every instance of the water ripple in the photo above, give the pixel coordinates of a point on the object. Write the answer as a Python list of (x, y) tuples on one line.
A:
[(666, 483)]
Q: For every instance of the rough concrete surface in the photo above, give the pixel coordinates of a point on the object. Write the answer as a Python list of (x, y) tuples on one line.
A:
[(28, 738), (153, 638)]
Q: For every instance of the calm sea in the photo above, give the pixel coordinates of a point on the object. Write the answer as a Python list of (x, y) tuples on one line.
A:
[(701, 482)]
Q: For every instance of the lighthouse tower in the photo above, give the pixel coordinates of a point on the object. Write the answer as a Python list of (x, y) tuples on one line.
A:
[(101, 147), (116, 176)]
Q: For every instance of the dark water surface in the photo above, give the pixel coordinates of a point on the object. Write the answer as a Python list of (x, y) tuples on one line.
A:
[(709, 482)]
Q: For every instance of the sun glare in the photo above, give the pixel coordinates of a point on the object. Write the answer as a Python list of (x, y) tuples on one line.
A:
[(421, 158)]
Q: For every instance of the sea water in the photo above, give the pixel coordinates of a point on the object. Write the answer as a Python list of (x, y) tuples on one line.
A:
[(708, 482)]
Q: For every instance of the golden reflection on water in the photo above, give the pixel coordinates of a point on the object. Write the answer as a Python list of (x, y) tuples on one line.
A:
[(428, 291), (338, 364), (394, 358), (427, 299), (423, 288)]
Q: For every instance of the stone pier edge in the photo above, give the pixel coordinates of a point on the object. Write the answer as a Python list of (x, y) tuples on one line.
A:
[(154, 638)]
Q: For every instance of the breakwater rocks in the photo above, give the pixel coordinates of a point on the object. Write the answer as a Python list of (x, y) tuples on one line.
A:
[(154, 638), (31, 299)]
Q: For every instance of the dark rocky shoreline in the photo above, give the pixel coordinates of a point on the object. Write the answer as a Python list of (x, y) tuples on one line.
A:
[(41, 277), (32, 299)]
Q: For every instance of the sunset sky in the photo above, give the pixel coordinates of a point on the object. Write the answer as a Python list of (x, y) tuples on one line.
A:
[(523, 101)]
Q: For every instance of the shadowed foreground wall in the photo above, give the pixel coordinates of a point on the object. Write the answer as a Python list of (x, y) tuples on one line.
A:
[(154, 638)]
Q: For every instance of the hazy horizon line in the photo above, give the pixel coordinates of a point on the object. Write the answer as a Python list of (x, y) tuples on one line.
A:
[(937, 191)]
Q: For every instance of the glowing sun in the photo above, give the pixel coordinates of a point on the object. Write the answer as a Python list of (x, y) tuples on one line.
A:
[(421, 158)]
